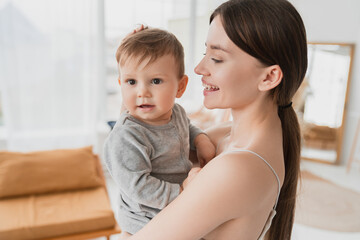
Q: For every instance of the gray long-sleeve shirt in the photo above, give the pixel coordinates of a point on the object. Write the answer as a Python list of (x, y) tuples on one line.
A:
[(148, 163)]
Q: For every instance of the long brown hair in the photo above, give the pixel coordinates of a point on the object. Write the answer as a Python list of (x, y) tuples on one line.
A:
[(273, 32)]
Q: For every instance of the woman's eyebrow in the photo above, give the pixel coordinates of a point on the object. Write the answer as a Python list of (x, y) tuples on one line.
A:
[(217, 47)]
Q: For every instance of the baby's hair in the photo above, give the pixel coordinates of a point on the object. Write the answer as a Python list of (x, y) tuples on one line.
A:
[(151, 43)]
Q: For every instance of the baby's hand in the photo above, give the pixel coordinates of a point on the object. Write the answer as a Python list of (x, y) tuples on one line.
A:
[(138, 29), (142, 27), (205, 149)]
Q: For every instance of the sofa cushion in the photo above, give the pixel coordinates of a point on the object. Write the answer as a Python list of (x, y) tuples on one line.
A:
[(58, 214), (47, 171)]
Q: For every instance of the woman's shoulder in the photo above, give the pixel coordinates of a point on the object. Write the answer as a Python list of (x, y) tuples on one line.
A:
[(245, 175), (239, 164)]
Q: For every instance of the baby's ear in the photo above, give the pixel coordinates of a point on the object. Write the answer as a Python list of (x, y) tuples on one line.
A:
[(182, 86), (273, 78), (119, 81)]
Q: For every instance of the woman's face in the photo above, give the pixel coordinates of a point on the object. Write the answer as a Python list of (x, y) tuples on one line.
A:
[(230, 75)]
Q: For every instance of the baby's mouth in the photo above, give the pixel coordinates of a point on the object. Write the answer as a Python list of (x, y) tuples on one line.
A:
[(146, 106), (210, 87)]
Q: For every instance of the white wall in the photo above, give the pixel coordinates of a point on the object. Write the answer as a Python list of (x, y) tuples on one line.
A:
[(337, 21)]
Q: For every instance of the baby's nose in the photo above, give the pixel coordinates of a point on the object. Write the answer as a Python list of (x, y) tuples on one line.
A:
[(143, 91)]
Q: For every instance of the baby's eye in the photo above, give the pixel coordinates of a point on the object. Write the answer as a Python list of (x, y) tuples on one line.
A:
[(130, 81), (156, 81)]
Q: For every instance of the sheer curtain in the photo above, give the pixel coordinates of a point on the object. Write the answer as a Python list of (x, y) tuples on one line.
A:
[(51, 72)]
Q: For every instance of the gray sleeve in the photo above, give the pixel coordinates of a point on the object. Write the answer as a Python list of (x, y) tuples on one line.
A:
[(193, 132), (127, 159)]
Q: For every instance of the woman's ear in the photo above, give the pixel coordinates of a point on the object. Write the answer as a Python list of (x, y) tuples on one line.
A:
[(273, 78), (182, 86)]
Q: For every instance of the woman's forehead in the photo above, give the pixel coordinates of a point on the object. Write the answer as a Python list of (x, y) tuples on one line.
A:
[(217, 39)]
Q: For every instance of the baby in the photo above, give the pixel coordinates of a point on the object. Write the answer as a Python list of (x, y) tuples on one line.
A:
[(147, 152)]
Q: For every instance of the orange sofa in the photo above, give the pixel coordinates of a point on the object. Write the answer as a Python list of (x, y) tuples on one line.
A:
[(58, 194)]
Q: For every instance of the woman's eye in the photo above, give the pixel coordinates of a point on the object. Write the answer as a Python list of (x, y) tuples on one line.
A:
[(216, 60), (156, 81), (131, 81)]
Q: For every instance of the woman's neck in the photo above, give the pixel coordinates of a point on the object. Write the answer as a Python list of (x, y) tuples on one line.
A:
[(251, 121)]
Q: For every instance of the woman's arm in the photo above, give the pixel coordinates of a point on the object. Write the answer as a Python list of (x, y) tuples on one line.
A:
[(223, 190)]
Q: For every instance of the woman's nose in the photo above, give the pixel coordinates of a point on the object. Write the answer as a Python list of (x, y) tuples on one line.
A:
[(200, 69)]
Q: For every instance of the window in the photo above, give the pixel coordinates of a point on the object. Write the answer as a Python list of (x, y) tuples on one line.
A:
[(50, 71)]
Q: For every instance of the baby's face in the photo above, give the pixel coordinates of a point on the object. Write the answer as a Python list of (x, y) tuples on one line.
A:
[(149, 90)]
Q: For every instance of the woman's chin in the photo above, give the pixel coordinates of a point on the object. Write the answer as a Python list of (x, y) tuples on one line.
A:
[(209, 105)]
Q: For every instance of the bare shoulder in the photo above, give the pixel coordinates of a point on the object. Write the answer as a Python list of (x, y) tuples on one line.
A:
[(244, 177)]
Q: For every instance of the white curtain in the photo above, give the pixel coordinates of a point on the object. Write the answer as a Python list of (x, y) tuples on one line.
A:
[(51, 69)]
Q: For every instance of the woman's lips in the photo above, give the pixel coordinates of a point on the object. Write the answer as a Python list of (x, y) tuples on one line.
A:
[(208, 89)]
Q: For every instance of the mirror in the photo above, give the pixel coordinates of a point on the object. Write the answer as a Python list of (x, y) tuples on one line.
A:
[(321, 100)]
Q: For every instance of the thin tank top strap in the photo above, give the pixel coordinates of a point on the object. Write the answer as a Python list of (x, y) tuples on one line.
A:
[(271, 168)]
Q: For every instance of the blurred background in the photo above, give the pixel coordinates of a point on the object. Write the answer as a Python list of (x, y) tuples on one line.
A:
[(58, 82)]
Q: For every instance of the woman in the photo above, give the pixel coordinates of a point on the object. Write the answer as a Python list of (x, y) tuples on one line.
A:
[(256, 58)]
